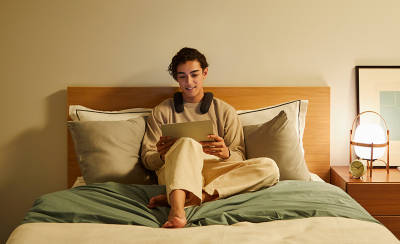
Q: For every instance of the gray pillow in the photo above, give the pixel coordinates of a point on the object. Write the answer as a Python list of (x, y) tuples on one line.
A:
[(109, 151), (277, 139)]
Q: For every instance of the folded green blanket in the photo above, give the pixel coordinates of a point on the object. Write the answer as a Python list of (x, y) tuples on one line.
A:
[(113, 203)]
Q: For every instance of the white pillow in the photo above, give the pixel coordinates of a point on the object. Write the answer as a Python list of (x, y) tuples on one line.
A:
[(315, 177), (80, 113), (295, 110), (79, 182)]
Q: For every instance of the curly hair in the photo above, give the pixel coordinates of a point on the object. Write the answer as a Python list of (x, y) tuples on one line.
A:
[(184, 55)]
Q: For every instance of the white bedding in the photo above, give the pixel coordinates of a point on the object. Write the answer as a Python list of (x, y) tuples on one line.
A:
[(327, 230)]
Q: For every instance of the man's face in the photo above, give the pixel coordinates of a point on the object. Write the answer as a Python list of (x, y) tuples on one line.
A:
[(190, 78)]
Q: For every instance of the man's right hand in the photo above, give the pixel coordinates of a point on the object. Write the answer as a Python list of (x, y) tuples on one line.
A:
[(163, 146)]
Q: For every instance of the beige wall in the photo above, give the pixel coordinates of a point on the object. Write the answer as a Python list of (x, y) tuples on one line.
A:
[(46, 46)]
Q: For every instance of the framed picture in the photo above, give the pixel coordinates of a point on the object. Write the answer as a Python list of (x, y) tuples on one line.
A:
[(378, 90)]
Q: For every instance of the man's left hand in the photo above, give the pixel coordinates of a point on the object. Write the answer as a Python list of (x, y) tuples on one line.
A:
[(217, 147)]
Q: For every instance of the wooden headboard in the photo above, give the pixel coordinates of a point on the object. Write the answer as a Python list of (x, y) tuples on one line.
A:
[(317, 130)]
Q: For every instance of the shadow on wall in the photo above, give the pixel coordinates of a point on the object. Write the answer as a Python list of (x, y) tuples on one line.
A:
[(35, 164)]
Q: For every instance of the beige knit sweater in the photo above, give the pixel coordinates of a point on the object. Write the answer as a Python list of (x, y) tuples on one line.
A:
[(224, 117)]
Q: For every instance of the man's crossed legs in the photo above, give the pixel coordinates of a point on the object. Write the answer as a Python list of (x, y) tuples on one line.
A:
[(191, 179)]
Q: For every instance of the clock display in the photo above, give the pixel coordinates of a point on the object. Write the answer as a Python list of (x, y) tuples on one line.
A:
[(358, 168)]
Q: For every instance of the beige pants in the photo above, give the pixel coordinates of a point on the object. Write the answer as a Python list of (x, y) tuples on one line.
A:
[(188, 168)]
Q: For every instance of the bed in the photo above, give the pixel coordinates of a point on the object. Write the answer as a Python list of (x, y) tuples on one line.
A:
[(293, 211)]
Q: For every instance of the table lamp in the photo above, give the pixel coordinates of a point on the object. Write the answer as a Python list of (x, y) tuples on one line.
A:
[(369, 142)]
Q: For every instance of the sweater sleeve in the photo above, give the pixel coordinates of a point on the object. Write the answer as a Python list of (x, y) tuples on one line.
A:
[(149, 154), (234, 136)]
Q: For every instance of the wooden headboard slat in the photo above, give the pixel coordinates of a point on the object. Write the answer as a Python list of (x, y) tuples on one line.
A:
[(317, 130)]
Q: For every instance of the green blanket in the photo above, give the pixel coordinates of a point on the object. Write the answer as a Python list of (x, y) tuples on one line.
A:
[(113, 203)]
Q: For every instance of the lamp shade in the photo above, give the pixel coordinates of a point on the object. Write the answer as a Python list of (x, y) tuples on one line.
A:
[(369, 133)]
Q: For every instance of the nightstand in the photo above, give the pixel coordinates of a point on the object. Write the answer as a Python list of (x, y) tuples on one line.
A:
[(379, 195)]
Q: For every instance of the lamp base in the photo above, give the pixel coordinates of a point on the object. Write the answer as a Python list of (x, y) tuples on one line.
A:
[(370, 166)]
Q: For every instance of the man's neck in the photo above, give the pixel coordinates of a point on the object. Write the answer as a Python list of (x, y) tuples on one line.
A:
[(196, 99)]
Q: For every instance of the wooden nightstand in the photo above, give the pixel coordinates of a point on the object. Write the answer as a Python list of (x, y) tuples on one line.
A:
[(379, 195)]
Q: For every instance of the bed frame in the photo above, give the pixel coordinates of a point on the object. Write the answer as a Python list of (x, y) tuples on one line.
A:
[(317, 130)]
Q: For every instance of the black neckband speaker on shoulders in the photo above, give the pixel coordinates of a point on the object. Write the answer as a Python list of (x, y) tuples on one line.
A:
[(205, 105)]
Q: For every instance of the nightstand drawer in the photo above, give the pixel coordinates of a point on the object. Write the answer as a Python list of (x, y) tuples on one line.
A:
[(376, 198)]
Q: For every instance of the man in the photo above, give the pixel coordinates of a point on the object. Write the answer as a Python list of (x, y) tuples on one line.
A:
[(196, 172)]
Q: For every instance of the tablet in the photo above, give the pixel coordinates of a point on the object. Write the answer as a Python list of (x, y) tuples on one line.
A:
[(197, 130)]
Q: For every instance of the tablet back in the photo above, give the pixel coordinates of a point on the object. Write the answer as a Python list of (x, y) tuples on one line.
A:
[(197, 130)]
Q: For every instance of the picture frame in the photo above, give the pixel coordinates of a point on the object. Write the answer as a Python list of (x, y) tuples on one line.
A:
[(378, 90)]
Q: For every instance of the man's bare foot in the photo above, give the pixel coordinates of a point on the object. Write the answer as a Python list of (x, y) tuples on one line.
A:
[(160, 200), (176, 219)]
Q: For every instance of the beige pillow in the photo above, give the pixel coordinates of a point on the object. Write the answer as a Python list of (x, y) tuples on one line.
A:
[(109, 151), (277, 139), (295, 110)]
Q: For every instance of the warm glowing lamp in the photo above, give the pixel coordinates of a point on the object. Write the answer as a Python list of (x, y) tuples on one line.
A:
[(369, 142), (369, 133)]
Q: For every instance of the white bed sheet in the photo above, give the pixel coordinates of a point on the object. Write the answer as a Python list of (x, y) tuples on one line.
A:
[(335, 230)]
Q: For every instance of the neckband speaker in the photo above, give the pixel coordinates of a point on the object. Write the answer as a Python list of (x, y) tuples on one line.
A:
[(205, 105)]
